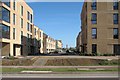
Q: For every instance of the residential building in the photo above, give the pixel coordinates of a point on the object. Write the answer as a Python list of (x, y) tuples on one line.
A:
[(45, 43), (100, 27), (51, 44), (78, 42), (15, 22), (37, 40), (59, 44), (19, 35)]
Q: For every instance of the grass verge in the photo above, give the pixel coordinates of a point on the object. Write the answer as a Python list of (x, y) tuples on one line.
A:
[(14, 70)]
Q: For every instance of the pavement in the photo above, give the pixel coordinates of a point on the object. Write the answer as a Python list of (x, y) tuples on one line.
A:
[(80, 76), (76, 56), (40, 62), (64, 75)]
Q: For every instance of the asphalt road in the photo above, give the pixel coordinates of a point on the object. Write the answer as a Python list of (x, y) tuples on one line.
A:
[(60, 79), (80, 76)]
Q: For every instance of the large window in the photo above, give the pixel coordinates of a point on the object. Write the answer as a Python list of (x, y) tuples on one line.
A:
[(14, 33), (28, 26), (5, 31), (5, 15), (0, 13), (21, 21), (31, 20), (21, 10), (94, 18), (31, 28), (115, 33), (14, 5), (6, 2), (27, 37), (40, 34), (94, 48), (115, 5), (28, 15), (14, 19), (35, 31), (115, 18), (94, 33), (21, 36), (94, 5), (31, 39)]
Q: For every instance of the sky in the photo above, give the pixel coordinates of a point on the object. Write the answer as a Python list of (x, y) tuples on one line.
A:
[(59, 20)]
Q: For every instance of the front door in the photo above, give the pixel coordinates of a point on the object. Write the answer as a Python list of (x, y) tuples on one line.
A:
[(117, 49)]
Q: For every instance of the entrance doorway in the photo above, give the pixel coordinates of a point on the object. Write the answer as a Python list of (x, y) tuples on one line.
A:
[(117, 49)]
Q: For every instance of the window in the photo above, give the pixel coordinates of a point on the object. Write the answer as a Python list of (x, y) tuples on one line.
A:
[(115, 18), (5, 15), (94, 5), (28, 36), (21, 23), (31, 28), (5, 31), (34, 41), (21, 36), (13, 33), (31, 18), (94, 18), (14, 18), (115, 33), (6, 2), (14, 5), (94, 48), (0, 13), (115, 5), (21, 10), (40, 42), (28, 26), (94, 33), (28, 15), (40, 34), (35, 31)]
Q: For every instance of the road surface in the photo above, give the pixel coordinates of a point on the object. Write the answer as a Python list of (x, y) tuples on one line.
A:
[(82, 76), (60, 79), (64, 75)]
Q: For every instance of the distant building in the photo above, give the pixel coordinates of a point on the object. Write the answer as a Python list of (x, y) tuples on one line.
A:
[(38, 40), (78, 42), (100, 27), (45, 43), (59, 44), (49, 44)]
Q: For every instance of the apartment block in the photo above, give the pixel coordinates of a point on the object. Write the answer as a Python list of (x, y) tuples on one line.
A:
[(49, 44), (38, 40), (59, 44), (19, 35), (45, 43), (100, 27), (15, 18), (78, 42)]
